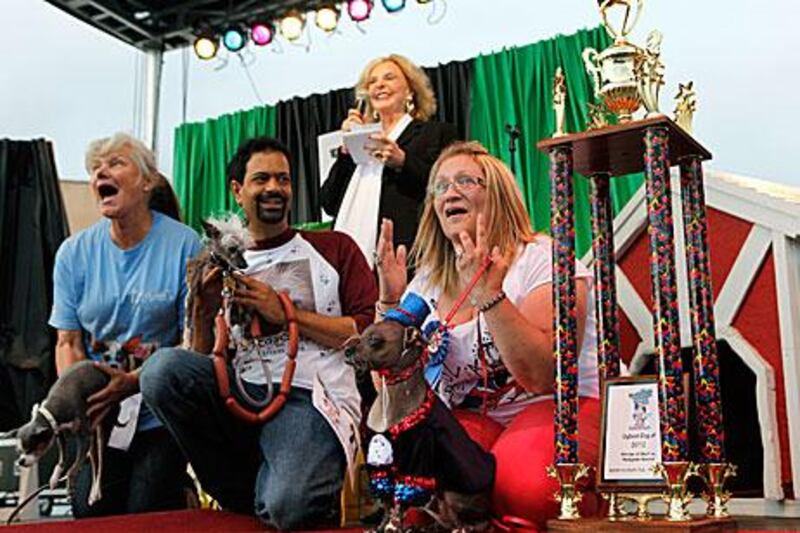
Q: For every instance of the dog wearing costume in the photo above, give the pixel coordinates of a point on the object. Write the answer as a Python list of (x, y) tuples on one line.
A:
[(418, 454)]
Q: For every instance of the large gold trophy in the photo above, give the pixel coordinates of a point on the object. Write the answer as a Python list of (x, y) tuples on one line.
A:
[(626, 77), (627, 82)]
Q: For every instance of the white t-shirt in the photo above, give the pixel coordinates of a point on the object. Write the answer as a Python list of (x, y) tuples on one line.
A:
[(462, 371)]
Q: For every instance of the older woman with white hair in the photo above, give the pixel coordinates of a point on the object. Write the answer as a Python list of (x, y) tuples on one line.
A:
[(119, 287)]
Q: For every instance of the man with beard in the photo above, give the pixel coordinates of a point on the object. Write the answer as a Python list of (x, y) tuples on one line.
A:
[(289, 471)]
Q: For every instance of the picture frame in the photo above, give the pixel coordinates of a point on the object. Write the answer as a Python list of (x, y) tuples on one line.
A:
[(630, 436)]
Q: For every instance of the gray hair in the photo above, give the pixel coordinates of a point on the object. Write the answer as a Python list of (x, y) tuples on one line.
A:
[(141, 155)]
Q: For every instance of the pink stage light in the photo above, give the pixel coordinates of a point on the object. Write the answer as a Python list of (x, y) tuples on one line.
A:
[(262, 33), (359, 10)]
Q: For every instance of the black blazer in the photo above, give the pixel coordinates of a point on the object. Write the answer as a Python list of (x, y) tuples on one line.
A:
[(403, 190)]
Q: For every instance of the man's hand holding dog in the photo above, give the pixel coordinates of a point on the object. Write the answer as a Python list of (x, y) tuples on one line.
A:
[(261, 297), (121, 385)]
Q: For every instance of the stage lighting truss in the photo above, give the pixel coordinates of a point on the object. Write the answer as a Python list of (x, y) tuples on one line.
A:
[(393, 6), (234, 38), (206, 45), (262, 33), (327, 17), (292, 24), (359, 10)]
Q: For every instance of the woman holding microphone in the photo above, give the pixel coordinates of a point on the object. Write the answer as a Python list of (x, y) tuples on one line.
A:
[(397, 94)]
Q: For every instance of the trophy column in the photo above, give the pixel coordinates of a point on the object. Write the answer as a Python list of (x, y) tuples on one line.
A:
[(566, 468), (675, 467), (710, 424), (604, 278)]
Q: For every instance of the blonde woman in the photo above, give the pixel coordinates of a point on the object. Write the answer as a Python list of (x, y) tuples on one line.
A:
[(397, 94), (494, 361)]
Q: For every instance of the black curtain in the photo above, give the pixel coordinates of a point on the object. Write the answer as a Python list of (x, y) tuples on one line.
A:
[(33, 226), (451, 84), (302, 120)]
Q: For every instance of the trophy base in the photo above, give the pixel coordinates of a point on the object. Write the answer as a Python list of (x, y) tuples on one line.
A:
[(654, 525)]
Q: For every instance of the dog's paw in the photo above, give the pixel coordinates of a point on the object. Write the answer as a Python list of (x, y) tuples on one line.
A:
[(95, 494), (55, 477)]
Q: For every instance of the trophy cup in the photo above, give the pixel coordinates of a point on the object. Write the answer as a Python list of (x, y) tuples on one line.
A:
[(626, 76)]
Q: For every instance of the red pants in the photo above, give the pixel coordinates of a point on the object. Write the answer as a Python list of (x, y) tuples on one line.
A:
[(524, 449)]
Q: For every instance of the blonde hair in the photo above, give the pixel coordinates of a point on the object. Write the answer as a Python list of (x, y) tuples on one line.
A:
[(418, 83), (140, 154), (507, 222)]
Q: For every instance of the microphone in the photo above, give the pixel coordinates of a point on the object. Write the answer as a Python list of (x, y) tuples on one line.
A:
[(361, 102), (513, 131)]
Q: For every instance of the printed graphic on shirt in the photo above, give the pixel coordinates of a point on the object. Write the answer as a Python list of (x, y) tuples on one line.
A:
[(294, 278)]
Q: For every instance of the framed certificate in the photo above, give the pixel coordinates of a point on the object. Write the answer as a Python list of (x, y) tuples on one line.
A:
[(630, 436)]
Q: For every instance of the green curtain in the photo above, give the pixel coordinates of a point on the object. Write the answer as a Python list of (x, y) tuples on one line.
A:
[(202, 151), (515, 87)]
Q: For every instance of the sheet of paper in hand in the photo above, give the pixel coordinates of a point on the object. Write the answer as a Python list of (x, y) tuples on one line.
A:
[(357, 140)]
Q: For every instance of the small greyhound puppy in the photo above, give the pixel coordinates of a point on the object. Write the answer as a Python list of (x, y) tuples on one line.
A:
[(417, 443), (63, 413)]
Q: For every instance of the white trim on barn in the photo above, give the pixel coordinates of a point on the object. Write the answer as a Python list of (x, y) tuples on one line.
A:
[(787, 282)]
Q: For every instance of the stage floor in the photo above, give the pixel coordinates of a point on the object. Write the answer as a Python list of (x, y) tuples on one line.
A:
[(204, 521)]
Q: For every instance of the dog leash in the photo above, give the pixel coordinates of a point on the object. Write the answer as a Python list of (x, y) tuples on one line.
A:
[(21, 505), (482, 268), (439, 336), (221, 370)]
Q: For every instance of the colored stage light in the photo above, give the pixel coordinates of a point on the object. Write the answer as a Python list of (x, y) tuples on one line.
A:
[(292, 25), (206, 45), (262, 33), (327, 17), (359, 10), (393, 6), (234, 39)]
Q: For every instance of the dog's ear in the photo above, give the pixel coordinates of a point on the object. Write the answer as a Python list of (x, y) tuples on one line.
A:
[(131, 345), (98, 346), (10, 434), (351, 342), (413, 337), (211, 230), (41, 430)]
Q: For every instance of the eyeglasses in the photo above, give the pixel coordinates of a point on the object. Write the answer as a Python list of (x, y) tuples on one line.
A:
[(462, 184)]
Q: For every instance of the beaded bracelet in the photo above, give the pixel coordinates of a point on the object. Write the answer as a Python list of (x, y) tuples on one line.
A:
[(491, 302)]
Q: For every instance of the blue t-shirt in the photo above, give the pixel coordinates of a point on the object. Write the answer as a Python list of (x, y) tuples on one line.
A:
[(115, 295)]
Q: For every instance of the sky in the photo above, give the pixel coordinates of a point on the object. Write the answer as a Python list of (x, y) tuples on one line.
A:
[(65, 81)]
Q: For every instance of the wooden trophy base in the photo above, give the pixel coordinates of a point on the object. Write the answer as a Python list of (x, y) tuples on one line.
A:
[(654, 525)]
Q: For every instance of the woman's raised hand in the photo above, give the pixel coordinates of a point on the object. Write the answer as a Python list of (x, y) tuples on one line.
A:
[(469, 256), (354, 118), (390, 264)]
